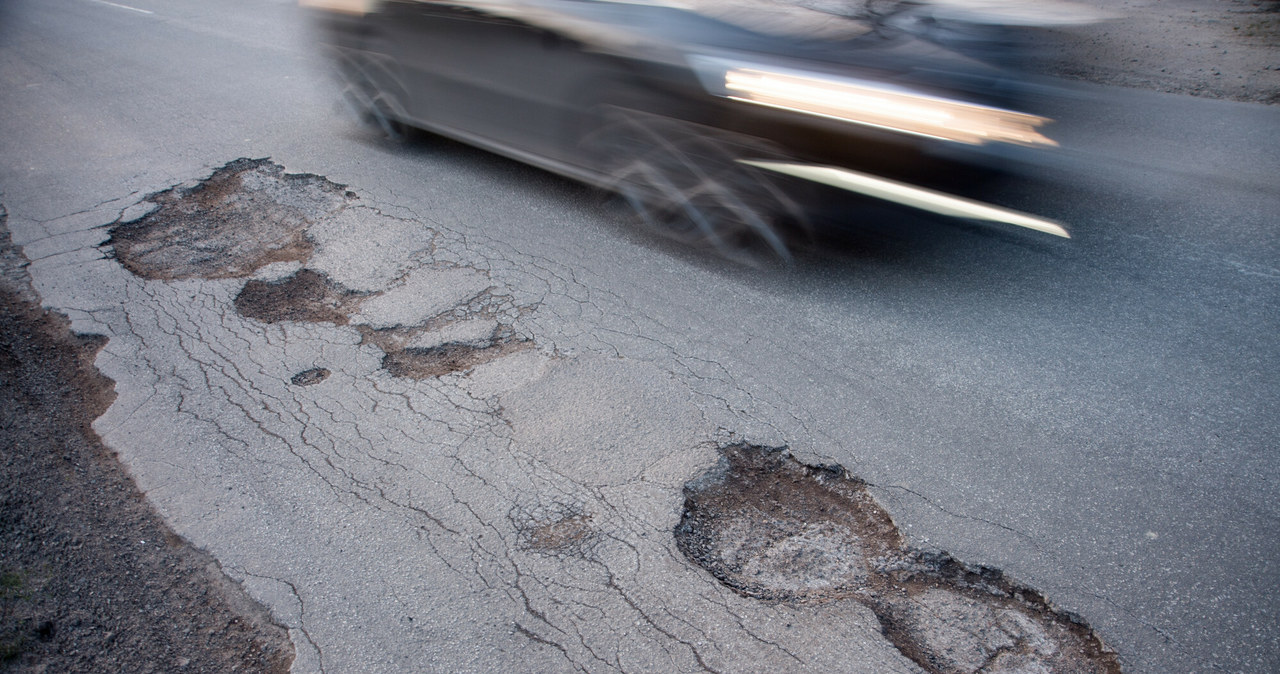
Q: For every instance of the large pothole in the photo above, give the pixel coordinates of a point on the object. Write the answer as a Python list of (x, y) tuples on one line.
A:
[(772, 528), (248, 214)]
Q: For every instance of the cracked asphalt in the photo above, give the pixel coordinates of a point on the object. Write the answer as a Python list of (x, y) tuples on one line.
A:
[(444, 412)]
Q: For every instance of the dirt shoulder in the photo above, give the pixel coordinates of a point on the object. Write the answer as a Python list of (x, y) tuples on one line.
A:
[(91, 579), (1212, 48)]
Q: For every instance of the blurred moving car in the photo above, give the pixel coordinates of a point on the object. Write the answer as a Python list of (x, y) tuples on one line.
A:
[(704, 114)]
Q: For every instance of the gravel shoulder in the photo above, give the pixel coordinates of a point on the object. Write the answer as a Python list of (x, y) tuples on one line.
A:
[(91, 579), (1227, 49)]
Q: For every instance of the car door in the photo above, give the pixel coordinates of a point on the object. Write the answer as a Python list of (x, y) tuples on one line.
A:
[(479, 69)]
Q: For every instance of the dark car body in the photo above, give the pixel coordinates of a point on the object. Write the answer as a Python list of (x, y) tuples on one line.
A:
[(695, 114)]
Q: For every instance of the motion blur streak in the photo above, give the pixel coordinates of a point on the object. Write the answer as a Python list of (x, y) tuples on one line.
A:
[(356, 7), (887, 109), (665, 103), (907, 195)]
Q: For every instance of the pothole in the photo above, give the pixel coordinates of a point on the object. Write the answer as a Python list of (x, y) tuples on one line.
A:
[(310, 377), (557, 530), (307, 296), (436, 361), (248, 214), (489, 307), (472, 332), (772, 528), (414, 352)]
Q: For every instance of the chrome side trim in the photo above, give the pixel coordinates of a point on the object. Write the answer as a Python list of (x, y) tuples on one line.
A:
[(909, 195)]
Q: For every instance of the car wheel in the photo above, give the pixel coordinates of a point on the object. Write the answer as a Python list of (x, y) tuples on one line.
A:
[(684, 181), (369, 95)]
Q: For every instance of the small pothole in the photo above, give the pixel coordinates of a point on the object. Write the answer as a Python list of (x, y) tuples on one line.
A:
[(310, 377), (307, 296), (770, 527), (450, 357), (558, 530), (248, 214)]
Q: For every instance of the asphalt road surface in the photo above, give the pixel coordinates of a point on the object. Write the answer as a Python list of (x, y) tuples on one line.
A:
[(446, 414)]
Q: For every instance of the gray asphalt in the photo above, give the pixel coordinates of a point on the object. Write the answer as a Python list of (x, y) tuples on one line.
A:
[(1097, 417)]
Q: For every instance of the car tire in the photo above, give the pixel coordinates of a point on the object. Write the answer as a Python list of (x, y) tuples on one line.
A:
[(684, 181), (370, 95)]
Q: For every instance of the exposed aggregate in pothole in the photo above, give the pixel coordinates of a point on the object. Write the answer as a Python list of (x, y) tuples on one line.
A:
[(248, 214), (772, 528)]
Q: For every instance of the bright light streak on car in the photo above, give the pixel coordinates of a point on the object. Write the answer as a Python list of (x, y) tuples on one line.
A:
[(883, 108), (355, 7), (910, 195)]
